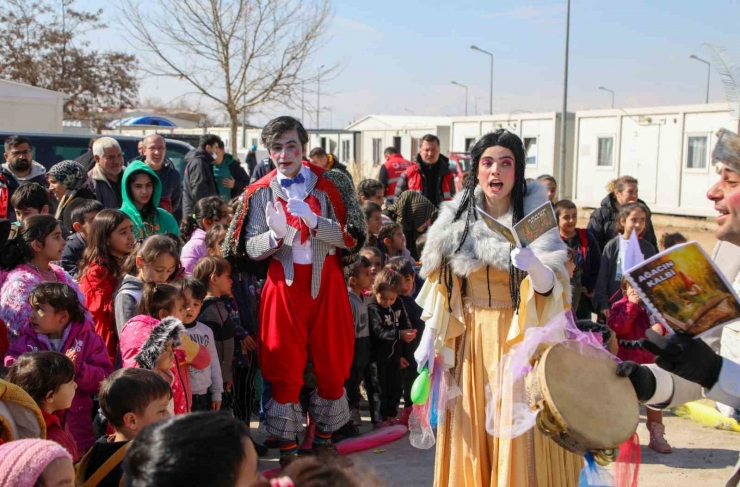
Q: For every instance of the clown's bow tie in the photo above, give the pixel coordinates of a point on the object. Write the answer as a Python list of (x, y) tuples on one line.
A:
[(287, 183)]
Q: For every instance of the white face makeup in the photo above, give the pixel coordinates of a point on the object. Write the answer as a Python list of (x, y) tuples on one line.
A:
[(286, 152)]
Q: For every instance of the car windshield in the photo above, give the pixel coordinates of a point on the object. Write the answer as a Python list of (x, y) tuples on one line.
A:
[(465, 163)]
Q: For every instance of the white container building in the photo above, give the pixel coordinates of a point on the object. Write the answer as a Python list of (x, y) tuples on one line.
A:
[(540, 133), (668, 149)]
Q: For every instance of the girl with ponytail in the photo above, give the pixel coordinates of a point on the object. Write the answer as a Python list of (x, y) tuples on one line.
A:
[(28, 261), (481, 295), (208, 212)]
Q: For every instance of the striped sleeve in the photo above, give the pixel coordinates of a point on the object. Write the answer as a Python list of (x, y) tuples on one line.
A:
[(258, 233)]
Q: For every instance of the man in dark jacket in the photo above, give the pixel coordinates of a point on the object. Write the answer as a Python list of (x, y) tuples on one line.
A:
[(155, 150), (604, 219), (329, 161), (210, 171), (261, 170), (431, 175), (20, 168), (251, 160), (105, 177)]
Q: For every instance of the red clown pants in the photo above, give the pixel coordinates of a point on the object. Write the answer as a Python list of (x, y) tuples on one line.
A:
[(293, 324)]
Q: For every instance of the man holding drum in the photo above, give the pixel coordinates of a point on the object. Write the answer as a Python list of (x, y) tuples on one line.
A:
[(687, 369)]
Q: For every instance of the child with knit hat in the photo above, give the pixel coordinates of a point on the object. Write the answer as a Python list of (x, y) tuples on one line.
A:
[(28, 463), (49, 378)]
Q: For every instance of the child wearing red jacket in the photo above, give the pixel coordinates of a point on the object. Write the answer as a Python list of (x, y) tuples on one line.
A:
[(630, 320)]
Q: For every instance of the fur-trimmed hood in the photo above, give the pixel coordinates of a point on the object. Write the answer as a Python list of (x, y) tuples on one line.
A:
[(168, 330), (483, 246)]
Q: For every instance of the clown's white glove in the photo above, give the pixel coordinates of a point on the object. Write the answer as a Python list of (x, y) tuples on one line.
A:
[(301, 209), (541, 276), (276, 220), (424, 354)]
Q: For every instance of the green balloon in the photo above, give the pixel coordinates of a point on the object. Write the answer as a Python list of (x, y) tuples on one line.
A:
[(421, 388)]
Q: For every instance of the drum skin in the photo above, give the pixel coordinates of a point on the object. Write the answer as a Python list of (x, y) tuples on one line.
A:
[(584, 406)]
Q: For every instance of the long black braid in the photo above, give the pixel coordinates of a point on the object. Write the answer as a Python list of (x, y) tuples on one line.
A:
[(511, 141)]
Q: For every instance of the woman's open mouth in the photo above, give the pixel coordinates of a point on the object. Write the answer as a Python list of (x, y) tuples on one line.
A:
[(496, 186)]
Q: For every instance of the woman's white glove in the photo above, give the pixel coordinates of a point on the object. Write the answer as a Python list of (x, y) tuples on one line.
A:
[(424, 354), (300, 208), (541, 276), (276, 220)]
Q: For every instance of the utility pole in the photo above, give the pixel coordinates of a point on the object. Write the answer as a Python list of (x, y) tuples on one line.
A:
[(563, 125)]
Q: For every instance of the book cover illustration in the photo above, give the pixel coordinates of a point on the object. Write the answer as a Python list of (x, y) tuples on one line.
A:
[(528, 229), (685, 290)]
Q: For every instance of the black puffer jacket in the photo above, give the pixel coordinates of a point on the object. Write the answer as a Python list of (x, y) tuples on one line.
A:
[(604, 219), (197, 181)]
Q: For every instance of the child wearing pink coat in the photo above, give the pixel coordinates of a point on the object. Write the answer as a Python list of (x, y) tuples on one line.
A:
[(57, 323)]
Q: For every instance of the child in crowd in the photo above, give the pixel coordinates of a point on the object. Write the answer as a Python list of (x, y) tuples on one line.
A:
[(28, 260), (389, 327), (630, 320), (215, 274), (375, 256), (57, 323), (110, 241), (29, 200), (394, 241), (49, 378), (82, 216), (670, 239), (195, 449), (403, 267), (373, 217), (214, 239), (552, 187), (208, 212), (587, 257), (130, 400), (33, 463), (632, 217), (206, 384), (371, 190), (156, 261), (155, 339), (358, 279), (141, 191)]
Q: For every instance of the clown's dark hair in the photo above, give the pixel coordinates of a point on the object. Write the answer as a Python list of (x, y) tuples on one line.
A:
[(466, 210)]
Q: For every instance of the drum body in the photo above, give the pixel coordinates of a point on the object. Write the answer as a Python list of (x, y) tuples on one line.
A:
[(583, 405)]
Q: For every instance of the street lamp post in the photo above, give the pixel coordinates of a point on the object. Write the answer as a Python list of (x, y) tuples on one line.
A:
[(318, 99), (709, 72), (466, 95), (303, 96), (476, 48), (610, 91)]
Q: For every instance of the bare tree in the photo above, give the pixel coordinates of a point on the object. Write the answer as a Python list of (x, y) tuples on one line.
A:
[(40, 45), (242, 54)]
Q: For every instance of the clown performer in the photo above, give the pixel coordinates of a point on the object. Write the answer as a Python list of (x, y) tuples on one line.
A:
[(475, 283), (301, 220)]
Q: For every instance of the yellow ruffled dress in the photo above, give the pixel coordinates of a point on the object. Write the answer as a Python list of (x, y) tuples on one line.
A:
[(472, 338)]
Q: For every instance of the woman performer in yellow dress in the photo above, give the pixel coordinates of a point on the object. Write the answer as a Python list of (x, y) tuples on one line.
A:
[(475, 280)]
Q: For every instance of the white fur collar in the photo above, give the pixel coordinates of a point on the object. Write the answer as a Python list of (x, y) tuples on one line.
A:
[(484, 247)]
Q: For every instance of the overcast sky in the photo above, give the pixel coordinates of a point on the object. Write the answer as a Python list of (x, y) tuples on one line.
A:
[(400, 56)]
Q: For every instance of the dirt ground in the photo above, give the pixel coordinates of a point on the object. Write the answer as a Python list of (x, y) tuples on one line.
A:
[(702, 457)]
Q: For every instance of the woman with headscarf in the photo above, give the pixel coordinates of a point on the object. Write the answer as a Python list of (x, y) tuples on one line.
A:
[(480, 295), (68, 184), (415, 213)]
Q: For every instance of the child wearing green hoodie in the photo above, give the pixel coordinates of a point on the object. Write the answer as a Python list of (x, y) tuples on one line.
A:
[(142, 190)]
